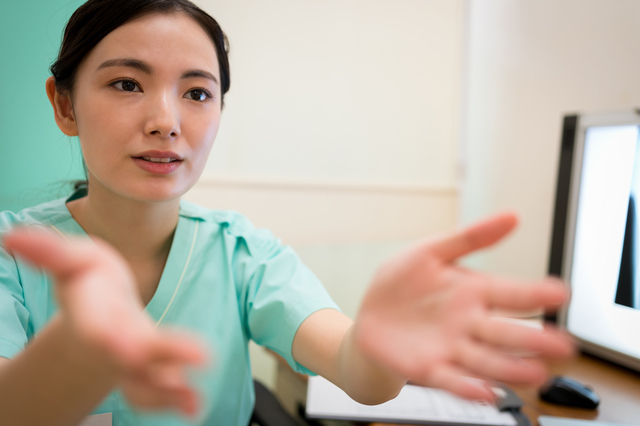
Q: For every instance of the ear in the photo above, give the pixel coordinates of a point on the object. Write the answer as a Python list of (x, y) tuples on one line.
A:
[(62, 109)]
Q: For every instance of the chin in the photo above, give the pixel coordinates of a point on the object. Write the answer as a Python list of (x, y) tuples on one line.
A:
[(157, 193), (160, 197), (155, 190)]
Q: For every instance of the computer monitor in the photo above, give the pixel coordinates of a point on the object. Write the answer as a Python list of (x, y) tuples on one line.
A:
[(596, 233)]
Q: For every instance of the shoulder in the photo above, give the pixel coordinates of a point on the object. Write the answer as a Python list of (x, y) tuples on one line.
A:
[(231, 225), (46, 214), (13, 272)]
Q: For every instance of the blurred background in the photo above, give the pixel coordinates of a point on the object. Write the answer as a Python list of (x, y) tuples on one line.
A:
[(354, 127)]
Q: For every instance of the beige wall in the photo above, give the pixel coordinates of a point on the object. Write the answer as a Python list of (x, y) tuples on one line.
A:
[(528, 63), (311, 213), (353, 90), (340, 130)]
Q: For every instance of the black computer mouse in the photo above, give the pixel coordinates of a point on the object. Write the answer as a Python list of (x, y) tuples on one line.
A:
[(565, 391)]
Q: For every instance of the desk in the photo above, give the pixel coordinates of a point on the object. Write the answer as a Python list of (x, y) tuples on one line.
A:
[(618, 387)]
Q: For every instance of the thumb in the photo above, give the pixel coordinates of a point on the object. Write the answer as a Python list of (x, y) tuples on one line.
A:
[(477, 236), (47, 250)]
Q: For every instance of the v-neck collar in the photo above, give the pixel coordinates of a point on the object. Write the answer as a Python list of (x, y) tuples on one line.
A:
[(174, 268), (176, 261)]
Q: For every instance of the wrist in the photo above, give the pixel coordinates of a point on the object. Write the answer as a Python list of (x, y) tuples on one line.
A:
[(370, 381), (82, 353)]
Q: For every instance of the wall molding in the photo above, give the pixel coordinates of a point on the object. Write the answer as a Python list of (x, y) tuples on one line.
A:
[(320, 212), (327, 185)]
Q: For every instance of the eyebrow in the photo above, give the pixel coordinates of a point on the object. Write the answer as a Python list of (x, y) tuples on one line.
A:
[(131, 63), (199, 73), (147, 69)]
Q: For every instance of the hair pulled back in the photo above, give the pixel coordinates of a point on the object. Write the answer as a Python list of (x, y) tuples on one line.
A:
[(92, 21)]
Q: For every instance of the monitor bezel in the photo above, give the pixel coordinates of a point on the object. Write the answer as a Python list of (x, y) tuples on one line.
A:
[(567, 198)]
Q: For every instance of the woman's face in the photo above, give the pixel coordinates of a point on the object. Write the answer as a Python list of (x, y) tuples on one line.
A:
[(147, 107)]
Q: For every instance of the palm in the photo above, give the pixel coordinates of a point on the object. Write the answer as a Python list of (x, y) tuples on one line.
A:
[(99, 303), (431, 322)]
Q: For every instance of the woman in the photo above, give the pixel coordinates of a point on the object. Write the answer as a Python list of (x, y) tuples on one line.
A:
[(141, 82)]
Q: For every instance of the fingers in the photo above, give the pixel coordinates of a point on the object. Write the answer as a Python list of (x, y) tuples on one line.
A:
[(49, 251), (170, 345), (458, 381), (486, 361), (157, 378), (164, 347), (509, 294), (550, 343), (480, 235), (498, 293), (146, 393)]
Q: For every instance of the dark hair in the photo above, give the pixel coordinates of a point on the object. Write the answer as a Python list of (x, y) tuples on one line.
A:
[(92, 21)]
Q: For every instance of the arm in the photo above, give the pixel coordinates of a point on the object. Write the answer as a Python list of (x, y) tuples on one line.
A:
[(100, 339), (325, 344), (429, 321), (53, 381)]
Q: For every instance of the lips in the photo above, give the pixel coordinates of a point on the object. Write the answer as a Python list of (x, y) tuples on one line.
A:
[(158, 155), (160, 159), (158, 162)]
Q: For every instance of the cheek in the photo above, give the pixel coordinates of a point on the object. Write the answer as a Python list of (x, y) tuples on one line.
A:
[(207, 137), (101, 126)]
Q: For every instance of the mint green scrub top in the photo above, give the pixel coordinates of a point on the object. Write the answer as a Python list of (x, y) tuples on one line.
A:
[(224, 279)]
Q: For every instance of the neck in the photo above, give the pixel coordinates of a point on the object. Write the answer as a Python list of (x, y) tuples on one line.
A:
[(138, 230)]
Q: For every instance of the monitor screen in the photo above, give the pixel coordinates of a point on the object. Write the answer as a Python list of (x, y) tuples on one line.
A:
[(601, 250)]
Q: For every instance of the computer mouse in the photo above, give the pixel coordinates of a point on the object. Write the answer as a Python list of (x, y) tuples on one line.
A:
[(565, 391)]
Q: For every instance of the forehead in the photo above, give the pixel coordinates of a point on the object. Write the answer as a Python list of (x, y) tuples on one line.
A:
[(164, 40)]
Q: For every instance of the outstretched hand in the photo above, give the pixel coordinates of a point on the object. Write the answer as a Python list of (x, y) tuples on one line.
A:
[(430, 321), (101, 307)]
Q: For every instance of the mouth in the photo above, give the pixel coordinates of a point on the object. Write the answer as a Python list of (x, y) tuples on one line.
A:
[(158, 159), (158, 162)]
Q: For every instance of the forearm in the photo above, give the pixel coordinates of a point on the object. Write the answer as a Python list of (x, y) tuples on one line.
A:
[(325, 343), (54, 381), (362, 379)]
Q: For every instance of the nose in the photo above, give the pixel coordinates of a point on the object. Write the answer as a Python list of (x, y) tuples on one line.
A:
[(164, 118)]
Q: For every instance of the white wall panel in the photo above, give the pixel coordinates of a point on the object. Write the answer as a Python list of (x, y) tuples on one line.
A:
[(530, 62)]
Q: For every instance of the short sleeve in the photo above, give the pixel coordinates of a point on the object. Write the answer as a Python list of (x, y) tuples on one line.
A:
[(281, 292), (14, 316)]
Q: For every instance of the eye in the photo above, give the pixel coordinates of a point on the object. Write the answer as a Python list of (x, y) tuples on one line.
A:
[(198, 94), (127, 86)]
